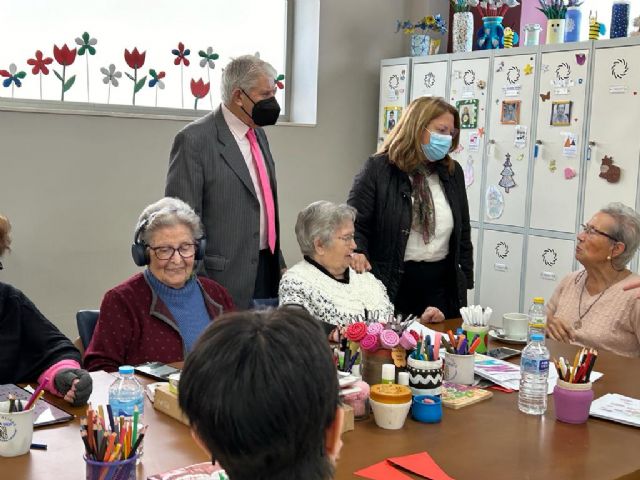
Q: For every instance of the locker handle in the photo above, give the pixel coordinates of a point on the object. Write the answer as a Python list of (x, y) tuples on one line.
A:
[(592, 143), (538, 142)]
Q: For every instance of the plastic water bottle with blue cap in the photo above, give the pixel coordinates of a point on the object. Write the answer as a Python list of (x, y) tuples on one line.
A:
[(125, 393), (534, 372)]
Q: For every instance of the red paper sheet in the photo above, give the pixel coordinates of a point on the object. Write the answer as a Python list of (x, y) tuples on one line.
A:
[(382, 471), (421, 464)]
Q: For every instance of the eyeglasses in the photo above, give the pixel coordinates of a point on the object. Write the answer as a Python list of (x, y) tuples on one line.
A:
[(347, 238), (591, 230), (186, 250), (444, 131)]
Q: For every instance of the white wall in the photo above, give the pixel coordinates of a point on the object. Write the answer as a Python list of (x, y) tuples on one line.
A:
[(73, 185)]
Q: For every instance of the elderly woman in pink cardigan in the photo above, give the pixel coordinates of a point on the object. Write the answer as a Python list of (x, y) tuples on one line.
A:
[(593, 307)]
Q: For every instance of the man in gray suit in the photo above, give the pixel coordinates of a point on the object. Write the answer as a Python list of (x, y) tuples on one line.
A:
[(221, 165)]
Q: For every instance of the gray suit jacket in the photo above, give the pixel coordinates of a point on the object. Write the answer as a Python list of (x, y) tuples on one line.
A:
[(207, 171)]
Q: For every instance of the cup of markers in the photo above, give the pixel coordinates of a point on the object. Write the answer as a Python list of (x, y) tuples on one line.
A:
[(424, 366), (111, 444), (459, 362)]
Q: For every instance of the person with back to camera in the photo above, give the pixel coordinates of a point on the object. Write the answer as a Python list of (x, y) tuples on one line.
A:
[(31, 347), (323, 282), (272, 409), (412, 226), (157, 315), (593, 307)]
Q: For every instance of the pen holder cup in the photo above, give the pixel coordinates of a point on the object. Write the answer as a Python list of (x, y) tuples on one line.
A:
[(16, 431), (425, 376), (372, 364), (459, 368), (430, 412), (472, 331), (572, 401), (122, 470)]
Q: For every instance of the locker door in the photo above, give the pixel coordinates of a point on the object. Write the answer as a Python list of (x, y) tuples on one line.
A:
[(429, 79), (469, 80), (394, 92), (549, 260), (500, 277), (560, 126), (512, 101), (614, 133), (471, 294)]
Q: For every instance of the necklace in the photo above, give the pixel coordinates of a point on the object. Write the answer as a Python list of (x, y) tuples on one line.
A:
[(578, 323)]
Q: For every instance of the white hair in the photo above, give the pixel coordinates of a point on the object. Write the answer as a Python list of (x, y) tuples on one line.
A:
[(319, 221), (243, 72), (167, 212), (626, 230)]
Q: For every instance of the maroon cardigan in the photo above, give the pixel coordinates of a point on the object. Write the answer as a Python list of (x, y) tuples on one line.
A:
[(135, 326)]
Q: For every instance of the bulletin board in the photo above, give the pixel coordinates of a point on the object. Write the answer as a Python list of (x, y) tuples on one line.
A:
[(549, 260), (500, 276), (429, 79), (394, 92), (469, 80), (508, 162), (560, 122), (614, 130)]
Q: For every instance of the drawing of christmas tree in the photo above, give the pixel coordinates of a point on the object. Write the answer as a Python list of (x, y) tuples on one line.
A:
[(507, 181)]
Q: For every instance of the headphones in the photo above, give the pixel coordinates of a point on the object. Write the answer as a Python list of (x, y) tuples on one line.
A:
[(139, 251)]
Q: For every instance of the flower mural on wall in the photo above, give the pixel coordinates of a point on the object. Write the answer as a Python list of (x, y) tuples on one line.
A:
[(39, 63), (65, 57), (111, 76), (207, 59), (87, 46), (199, 90), (135, 60), (13, 77), (156, 81), (181, 59)]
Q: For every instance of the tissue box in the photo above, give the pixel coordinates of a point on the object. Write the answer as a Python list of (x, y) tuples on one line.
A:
[(167, 402)]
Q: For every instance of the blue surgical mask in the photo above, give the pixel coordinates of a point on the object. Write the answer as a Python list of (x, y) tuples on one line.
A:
[(438, 146)]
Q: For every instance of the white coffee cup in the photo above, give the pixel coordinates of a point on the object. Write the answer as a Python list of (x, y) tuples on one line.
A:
[(16, 431), (515, 325)]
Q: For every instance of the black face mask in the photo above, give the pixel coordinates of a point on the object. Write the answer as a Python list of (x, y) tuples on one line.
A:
[(265, 112)]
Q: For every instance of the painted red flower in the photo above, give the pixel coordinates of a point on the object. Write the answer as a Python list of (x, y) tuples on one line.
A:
[(199, 90), (134, 59), (64, 56), (181, 55), (40, 64)]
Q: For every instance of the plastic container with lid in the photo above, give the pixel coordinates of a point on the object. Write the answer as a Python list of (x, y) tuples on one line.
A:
[(390, 404)]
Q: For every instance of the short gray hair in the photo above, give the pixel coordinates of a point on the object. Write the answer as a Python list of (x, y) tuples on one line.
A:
[(167, 212), (243, 72), (626, 230), (319, 221)]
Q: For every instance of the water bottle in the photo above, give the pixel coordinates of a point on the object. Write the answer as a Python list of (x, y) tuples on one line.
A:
[(537, 318), (126, 393), (534, 371)]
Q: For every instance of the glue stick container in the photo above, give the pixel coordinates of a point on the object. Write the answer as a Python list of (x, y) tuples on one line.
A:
[(388, 373)]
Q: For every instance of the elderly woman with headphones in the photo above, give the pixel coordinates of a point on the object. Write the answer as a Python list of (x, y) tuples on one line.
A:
[(157, 315)]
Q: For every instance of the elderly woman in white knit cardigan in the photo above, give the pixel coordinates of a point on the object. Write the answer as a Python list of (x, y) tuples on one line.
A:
[(323, 283)]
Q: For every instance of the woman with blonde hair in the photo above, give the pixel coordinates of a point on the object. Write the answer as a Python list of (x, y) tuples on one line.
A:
[(412, 226)]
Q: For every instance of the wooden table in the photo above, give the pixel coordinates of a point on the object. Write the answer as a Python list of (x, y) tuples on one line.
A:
[(491, 439)]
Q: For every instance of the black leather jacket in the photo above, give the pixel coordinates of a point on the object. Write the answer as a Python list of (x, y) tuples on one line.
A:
[(381, 193)]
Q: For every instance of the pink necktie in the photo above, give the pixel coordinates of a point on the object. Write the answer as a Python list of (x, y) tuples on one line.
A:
[(265, 186)]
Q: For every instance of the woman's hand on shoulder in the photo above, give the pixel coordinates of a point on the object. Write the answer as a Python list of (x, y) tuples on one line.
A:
[(559, 329), (432, 315), (360, 263)]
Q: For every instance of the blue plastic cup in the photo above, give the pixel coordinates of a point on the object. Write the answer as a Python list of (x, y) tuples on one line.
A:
[(426, 412)]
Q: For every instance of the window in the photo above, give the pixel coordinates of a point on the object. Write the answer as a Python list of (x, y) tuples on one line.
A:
[(155, 28)]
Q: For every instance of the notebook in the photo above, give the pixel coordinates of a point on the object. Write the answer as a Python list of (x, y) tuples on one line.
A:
[(457, 396), (46, 413)]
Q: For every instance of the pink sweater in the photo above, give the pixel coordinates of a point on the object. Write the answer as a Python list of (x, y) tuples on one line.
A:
[(613, 323)]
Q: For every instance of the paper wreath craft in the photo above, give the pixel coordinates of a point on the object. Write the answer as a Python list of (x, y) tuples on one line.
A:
[(609, 171)]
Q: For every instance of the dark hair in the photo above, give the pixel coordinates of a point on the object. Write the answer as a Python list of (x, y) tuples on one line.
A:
[(260, 389)]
